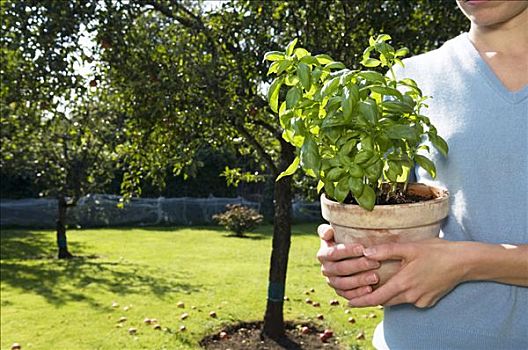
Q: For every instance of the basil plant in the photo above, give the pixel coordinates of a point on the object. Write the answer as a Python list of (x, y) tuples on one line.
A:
[(358, 131)]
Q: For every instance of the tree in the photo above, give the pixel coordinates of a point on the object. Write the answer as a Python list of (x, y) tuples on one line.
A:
[(53, 128)]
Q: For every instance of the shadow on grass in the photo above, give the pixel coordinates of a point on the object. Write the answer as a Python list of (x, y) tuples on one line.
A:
[(26, 265)]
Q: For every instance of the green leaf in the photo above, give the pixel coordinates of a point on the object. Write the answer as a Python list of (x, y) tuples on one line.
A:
[(367, 199), (440, 144), (363, 156), (283, 65), (400, 131), (426, 164), (401, 52), (273, 68), (292, 97), (347, 103), (291, 46), (341, 190), (329, 188), (355, 170), (396, 107), (372, 76), (309, 60), (330, 86), (303, 72), (370, 62), (369, 110), (291, 79), (386, 91), (356, 185), (374, 171), (383, 37), (320, 186), (324, 59), (274, 56), (335, 174), (291, 169), (335, 65), (273, 93), (300, 52), (310, 158)]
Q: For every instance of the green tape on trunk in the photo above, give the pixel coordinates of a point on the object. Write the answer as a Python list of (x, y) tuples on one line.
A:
[(276, 292)]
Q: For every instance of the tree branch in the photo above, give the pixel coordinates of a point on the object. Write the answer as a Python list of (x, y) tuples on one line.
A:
[(258, 147)]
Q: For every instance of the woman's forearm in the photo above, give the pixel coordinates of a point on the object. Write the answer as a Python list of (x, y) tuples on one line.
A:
[(502, 263)]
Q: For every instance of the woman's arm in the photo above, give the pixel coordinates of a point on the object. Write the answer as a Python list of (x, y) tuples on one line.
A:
[(504, 263)]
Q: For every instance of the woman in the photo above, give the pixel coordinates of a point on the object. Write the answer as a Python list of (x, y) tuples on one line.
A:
[(467, 289)]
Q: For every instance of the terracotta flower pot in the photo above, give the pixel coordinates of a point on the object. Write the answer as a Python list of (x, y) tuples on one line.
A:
[(388, 223)]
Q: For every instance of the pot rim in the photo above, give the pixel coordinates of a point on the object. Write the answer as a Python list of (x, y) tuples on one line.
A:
[(389, 216)]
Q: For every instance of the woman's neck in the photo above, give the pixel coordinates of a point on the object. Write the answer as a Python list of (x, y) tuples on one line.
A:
[(508, 37), (504, 47)]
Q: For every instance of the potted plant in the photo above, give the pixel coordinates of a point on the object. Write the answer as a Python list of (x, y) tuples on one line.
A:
[(360, 133)]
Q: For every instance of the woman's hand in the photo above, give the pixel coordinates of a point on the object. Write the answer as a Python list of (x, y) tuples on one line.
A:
[(429, 270), (346, 269)]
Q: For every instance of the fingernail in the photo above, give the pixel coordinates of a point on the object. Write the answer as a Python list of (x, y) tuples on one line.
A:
[(369, 251), (358, 250), (374, 264), (372, 279)]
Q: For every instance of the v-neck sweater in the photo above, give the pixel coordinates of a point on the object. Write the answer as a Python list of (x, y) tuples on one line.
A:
[(486, 173)]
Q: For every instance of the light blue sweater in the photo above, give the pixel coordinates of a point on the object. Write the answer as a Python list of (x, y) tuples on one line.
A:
[(486, 174)]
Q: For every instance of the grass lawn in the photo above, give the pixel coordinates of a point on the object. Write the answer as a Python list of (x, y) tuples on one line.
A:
[(54, 304)]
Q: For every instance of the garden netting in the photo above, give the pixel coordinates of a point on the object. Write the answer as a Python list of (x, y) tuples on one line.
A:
[(98, 210)]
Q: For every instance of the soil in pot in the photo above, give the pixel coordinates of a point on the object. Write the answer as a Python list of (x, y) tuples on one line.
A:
[(399, 196)]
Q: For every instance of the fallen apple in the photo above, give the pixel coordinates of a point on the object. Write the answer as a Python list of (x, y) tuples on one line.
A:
[(222, 335), (305, 330), (320, 317), (334, 302), (16, 346), (180, 304), (122, 319), (132, 330), (351, 320), (184, 316)]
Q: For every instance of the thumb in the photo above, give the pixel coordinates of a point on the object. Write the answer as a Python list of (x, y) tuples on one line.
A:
[(326, 232), (398, 251)]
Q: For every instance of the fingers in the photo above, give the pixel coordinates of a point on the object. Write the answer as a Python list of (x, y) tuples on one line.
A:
[(352, 282), (381, 296), (391, 251), (347, 267), (325, 232), (354, 293), (339, 251)]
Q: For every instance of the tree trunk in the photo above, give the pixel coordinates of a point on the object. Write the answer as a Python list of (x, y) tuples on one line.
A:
[(274, 317), (62, 243)]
